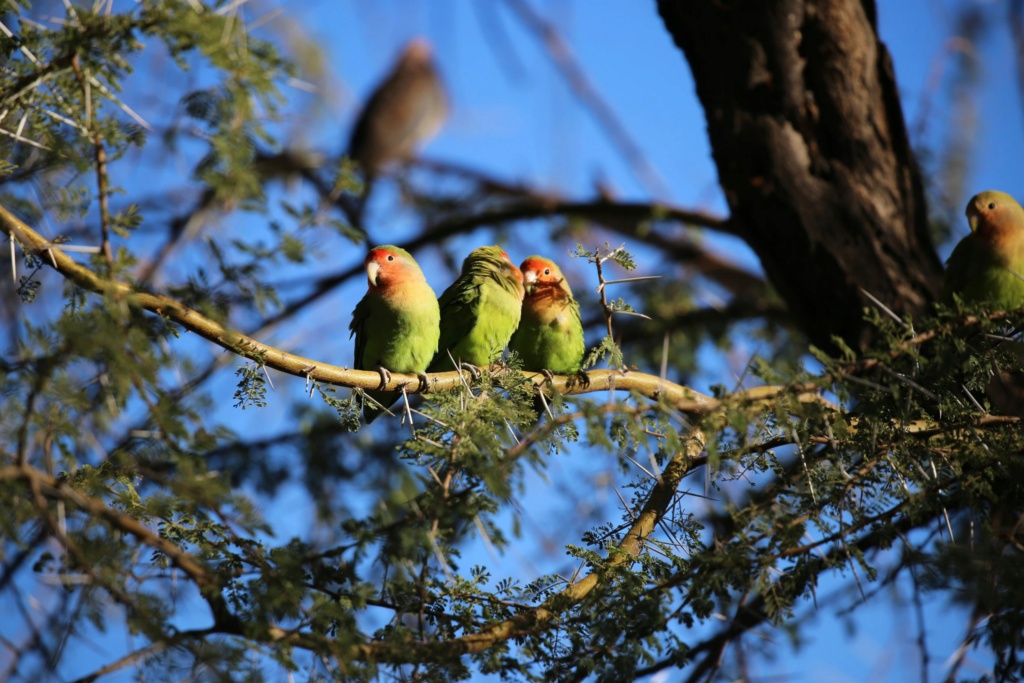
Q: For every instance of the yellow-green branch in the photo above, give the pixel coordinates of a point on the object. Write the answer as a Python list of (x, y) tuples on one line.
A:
[(682, 398)]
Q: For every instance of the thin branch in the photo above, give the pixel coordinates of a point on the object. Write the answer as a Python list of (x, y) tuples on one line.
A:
[(144, 653), (754, 613), (536, 619), (574, 75), (53, 487), (102, 180), (681, 397), (602, 211)]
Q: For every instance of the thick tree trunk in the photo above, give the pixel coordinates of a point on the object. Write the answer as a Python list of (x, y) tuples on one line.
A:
[(812, 152)]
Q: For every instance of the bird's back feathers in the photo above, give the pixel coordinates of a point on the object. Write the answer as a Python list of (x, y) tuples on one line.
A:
[(479, 311)]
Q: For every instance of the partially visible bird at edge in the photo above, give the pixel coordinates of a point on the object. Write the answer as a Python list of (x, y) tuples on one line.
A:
[(988, 264), (987, 267)]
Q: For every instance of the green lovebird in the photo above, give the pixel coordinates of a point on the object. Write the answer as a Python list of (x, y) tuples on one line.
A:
[(988, 264), (396, 323), (550, 334), (480, 310)]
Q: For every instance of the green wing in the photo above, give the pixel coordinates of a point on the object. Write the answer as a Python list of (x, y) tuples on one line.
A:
[(555, 345), (958, 269), (576, 346), (460, 308), (360, 316)]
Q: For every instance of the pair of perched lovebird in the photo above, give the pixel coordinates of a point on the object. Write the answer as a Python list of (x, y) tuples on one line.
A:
[(401, 326)]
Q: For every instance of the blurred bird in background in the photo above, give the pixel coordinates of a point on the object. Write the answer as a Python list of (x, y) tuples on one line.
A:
[(405, 110)]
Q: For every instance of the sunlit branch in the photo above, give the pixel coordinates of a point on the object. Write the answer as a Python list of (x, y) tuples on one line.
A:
[(680, 397)]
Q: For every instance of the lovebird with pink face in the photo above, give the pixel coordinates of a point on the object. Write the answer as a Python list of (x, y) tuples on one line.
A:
[(397, 322), (988, 264), (550, 334)]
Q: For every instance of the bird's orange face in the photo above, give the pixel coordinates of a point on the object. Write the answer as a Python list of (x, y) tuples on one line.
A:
[(385, 266), (994, 217), (541, 270), (543, 278), (980, 209)]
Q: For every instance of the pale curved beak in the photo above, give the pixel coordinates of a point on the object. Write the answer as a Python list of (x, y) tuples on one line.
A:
[(530, 276), (372, 268), (972, 218)]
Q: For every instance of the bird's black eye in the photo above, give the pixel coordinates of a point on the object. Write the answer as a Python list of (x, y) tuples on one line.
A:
[(991, 205), (547, 271), (391, 257)]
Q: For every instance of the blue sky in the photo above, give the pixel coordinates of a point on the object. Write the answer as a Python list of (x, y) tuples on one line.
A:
[(524, 124), (513, 116)]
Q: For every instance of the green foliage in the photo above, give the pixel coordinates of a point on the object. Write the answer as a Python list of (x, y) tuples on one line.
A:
[(252, 387), (606, 350), (348, 411), (123, 487)]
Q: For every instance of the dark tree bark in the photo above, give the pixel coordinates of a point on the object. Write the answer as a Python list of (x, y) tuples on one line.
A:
[(813, 154)]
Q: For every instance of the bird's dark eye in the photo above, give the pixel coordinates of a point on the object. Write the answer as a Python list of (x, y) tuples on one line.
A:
[(391, 257), (547, 271), (991, 205)]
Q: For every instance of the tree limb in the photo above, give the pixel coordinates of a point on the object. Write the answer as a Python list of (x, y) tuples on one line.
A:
[(807, 132), (682, 398)]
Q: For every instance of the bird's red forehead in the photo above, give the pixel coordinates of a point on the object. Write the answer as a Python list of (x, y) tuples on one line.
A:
[(535, 264), (515, 269), (379, 255)]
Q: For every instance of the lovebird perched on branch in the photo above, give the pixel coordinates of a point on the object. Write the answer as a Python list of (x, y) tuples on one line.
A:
[(396, 323), (480, 310), (988, 264), (550, 334)]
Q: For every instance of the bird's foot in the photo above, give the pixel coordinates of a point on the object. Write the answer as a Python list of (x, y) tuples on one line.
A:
[(578, 378), (424, 382), (385, 376), (472, 369), (548, 375)]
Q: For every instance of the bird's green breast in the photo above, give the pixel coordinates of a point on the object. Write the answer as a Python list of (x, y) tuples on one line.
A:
[(995, 274), (550, 337), (401, 332)]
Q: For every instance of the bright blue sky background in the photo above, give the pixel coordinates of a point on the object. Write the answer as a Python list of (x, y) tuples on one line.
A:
[(523, 123)]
